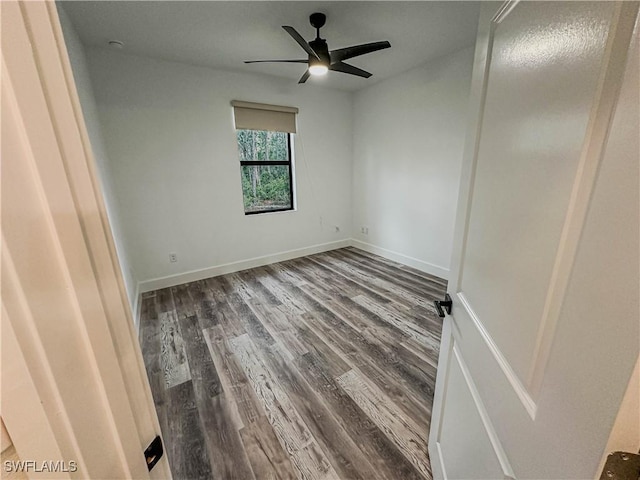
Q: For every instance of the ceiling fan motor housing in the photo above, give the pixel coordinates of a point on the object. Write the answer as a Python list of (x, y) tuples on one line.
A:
[(321, 48)]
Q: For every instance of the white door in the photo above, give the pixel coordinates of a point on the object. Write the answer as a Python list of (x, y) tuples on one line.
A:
[(543, 335), (75, 397)]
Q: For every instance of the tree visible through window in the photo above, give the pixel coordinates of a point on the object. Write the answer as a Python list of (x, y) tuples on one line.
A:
[(267, 177)]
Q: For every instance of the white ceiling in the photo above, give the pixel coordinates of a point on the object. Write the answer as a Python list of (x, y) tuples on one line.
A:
[(222, 34)]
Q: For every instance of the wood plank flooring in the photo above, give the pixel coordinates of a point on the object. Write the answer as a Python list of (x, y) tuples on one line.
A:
[(321, 367)]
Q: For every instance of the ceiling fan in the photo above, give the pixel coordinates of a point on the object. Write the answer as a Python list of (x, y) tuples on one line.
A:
[(321, 60)]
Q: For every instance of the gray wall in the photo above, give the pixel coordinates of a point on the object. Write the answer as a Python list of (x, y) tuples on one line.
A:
[(408, 142), (77, 56), (169, 131)]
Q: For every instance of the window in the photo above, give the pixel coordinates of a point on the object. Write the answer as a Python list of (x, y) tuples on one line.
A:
[(264, 136), (267, 176)]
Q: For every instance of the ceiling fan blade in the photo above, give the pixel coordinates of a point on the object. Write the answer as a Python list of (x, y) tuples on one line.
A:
[(350, 69), (276, 61), (357, 50), (304, 77), (301, 41)]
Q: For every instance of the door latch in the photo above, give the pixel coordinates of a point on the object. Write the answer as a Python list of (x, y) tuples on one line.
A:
[(446, 304)]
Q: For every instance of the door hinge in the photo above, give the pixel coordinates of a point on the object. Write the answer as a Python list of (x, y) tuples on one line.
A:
[(154, 452), (621, 466)]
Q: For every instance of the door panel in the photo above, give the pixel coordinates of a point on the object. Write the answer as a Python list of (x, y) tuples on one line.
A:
[(543, 74), (463, 411), (543, 335)]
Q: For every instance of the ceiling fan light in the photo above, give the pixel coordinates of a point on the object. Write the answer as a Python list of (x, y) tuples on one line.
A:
[(318, 70)]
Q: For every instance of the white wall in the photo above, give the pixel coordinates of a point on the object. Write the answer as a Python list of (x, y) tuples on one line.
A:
[(168, 130), (78, 59), (408, 142)]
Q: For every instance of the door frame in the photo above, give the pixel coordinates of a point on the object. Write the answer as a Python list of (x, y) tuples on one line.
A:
[(46, 129)]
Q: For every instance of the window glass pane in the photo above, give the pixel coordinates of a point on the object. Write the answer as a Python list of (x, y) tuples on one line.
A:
[(266, 187), (256, 145)]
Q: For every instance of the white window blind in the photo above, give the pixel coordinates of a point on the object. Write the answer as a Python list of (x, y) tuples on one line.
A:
[(260, 116)]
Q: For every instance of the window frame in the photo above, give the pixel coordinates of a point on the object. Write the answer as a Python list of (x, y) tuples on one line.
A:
[(264, 163)]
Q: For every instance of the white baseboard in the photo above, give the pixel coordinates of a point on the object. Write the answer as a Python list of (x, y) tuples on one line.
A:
[(421, 265), (201, 274)]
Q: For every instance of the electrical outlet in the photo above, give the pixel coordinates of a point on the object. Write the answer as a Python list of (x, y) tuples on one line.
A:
[(173, 257), (364, 230)]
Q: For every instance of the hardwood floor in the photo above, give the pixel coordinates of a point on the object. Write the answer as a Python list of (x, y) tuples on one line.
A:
[(321, 367)]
